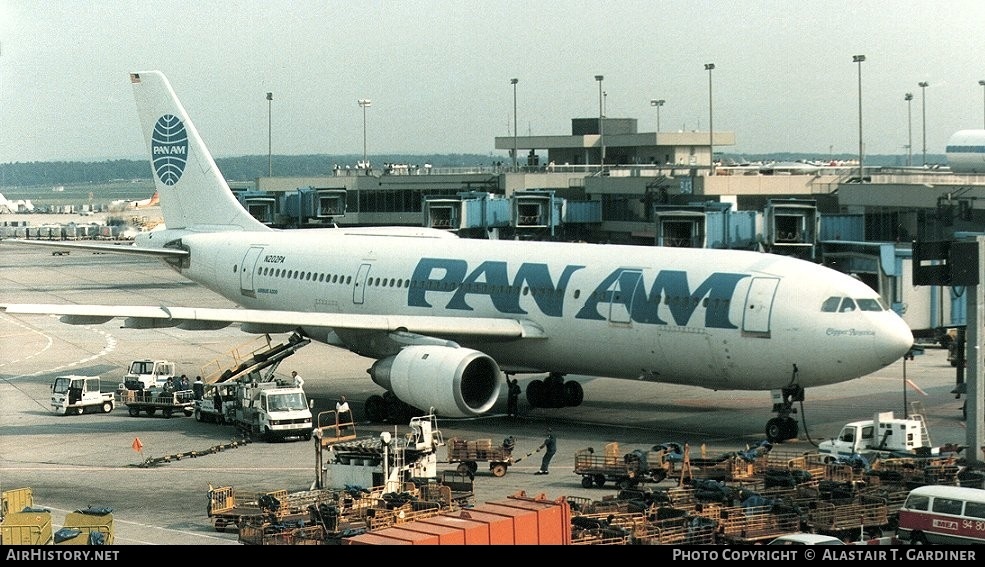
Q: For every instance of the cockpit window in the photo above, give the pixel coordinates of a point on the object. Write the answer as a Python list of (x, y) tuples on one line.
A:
[(831, 304), (847, 304), (871, 304)]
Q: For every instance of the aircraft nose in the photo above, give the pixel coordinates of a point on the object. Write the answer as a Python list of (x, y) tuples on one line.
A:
[(895, 340)]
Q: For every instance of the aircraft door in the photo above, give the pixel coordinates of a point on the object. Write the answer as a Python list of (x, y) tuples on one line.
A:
[(621, 295), (247, 271), (359, 285), (759, 305)]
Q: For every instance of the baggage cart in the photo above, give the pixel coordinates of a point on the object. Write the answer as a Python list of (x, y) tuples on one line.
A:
[(468, 455)]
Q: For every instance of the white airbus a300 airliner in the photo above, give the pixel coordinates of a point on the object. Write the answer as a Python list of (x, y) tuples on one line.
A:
[(446, 318)]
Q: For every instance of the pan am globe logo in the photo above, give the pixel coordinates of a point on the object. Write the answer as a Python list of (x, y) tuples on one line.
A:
[(169, 148)]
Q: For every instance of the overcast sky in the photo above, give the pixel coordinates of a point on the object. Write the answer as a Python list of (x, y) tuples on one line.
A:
[(438, 72)]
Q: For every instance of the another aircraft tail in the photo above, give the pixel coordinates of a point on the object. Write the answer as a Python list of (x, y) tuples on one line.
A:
[(192, 190)]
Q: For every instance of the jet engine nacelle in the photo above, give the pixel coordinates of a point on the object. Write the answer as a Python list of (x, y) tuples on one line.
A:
[(456, 382)]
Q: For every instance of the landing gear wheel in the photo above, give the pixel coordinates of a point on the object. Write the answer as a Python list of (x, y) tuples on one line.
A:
[(586, 482), (554, 390), (536, 393), (573, 394), (497, 469), (107, 407), (375, 408), (774, 430), (791, 428)]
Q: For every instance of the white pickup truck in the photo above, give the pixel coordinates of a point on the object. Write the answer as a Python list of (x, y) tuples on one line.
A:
[(73, 394)]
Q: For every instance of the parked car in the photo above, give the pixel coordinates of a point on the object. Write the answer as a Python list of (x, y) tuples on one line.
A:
[(806, 539)]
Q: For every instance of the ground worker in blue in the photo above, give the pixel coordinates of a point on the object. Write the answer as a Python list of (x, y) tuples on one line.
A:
[(550, 447)]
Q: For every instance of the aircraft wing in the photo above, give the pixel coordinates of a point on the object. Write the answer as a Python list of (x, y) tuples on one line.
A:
[(146, 316), (106, 248)]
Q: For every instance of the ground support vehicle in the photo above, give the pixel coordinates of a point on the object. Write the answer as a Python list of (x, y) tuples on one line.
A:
[(743, 525), (383, 460), (146, 374), (73, 395), (883, 437), (255, 400), (860, 518), (625, 471), (149, 402), (469, 453), (226, 507)]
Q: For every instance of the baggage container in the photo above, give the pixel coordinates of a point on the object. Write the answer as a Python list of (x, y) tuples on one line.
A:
[(32, 527)]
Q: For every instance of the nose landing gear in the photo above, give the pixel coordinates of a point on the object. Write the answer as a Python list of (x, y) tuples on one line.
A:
[(783, 427)]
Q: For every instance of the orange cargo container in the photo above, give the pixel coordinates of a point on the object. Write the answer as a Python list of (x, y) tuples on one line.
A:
[(476, 533), (414, 537), (445, 534), (518, 520), (370, 538), (525, 530), (500, 526), (553, 517)]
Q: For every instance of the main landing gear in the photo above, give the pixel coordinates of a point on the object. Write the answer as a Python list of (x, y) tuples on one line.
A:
[(783, 427), (390, 408), (554, 392)]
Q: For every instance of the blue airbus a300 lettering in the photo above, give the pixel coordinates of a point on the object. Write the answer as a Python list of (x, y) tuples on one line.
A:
[(446, 319)]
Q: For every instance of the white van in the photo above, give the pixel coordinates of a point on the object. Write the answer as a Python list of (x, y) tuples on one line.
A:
[(942, 514)]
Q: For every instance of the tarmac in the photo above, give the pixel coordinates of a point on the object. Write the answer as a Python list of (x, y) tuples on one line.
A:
[(71, 462)]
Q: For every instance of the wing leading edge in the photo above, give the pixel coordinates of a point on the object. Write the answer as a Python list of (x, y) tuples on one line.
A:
[(193, 317)]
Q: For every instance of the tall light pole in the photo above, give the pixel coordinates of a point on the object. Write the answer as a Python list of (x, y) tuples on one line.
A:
[(859, 59), (923, 95), (982, 83), (514, 82), (658, 104), (601, 116), (908, 97), (711, 125), (270, 98), (364, 103)]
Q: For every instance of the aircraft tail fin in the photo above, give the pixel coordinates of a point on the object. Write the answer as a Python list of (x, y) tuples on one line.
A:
[(191, 189)]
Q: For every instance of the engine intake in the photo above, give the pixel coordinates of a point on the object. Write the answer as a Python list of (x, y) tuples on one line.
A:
[(456, 382)]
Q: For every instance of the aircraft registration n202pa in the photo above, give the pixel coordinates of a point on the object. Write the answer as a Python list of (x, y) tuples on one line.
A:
[(447, 318)]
